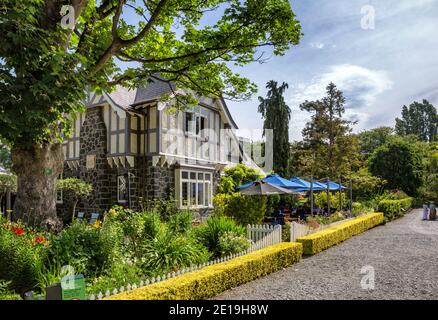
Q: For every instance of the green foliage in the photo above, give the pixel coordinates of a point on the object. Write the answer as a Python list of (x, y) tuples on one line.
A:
[(320, 200), (276, 115), (5, 156), (8, 183), (244, 209), (237, 176), (6, 293), (21, 259), (370, 140), (231, 243), (181, 222), (321, 220), (393, 209), (120, 274), (420, 119), (364, 184), (78, 187), (399, 164), (209, 232), (328, 147), (86, 247), (171, 252)]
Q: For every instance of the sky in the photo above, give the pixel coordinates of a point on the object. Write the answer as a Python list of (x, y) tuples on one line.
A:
[(379, 70)]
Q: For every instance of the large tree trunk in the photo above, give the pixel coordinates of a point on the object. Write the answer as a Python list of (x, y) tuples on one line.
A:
[(37, 170)]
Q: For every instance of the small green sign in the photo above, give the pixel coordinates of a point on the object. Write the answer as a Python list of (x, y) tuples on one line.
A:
[(73, 288), (48, 171)]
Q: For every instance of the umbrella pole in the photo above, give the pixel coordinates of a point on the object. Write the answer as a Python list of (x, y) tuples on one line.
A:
[(311, 195), (351, 197), (328, 197), (340, 194)]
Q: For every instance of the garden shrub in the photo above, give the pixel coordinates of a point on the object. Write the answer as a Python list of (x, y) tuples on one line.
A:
[(169, 252), (22, 252), (215, 279), (210, 231), (85, 246), (6, 293), (321, 200), (120, 274), (181, 222), (244, 209), (231, 243), (319, 241), (393, 209)]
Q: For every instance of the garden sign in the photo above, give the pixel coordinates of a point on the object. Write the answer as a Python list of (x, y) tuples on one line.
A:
[(73, 288)]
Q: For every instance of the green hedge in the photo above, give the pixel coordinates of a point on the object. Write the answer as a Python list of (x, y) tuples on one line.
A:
[(319, 241), (218, 278), (244, 209), (393, 209)]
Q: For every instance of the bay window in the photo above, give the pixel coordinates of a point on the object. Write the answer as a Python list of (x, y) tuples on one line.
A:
[(194, 188)]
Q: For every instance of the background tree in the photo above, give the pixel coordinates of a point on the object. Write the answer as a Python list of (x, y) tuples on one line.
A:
[(370, 140), (5, 156), (420, 119), (399, 164), (77, 188), (276, 115), (237, 176), (329, 147), (45, 68)]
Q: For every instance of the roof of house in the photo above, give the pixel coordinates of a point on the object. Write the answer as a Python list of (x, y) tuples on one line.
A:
[(126, 99)]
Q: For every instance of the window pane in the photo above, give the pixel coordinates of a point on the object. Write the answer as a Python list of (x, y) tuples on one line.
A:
[(193, 175), (207, 176), (185, 193), (207, 194), (190, 119), (198, 126), (200, 176), (185, 175), (200, 194), (193, 194), (122, 189)]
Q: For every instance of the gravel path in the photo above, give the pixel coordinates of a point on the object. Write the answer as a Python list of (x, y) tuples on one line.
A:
[(403, 253)]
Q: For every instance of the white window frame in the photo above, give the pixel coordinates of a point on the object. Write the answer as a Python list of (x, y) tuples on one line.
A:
[(207, 187), (118, 189), (190, 128)]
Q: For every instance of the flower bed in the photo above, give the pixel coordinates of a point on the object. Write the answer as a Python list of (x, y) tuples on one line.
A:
[(319, 241), (215, 279)]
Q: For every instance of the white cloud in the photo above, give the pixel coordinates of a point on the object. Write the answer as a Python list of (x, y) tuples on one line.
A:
[(317, 45), (361, 87)]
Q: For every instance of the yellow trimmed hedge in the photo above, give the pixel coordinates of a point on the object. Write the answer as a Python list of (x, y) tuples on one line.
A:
[(319, 241), (212, 280)]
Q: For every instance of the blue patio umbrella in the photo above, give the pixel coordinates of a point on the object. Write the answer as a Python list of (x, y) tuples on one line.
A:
[(306, 185), (276, 180), (333, 186)]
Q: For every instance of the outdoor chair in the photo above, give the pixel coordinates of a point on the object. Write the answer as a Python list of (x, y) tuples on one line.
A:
[(80, 216), (94, 217)]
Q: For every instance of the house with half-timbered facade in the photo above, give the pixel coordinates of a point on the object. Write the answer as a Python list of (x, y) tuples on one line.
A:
[(134, 146)]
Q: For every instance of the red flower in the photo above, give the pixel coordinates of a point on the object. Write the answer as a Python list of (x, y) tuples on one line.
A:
[(18, 231), (40, 239)]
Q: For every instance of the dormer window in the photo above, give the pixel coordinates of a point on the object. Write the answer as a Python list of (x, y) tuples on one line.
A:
[(195, 124)]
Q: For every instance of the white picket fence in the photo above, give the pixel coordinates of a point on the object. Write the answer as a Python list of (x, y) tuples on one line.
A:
[(263, 236), (298, 230)]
